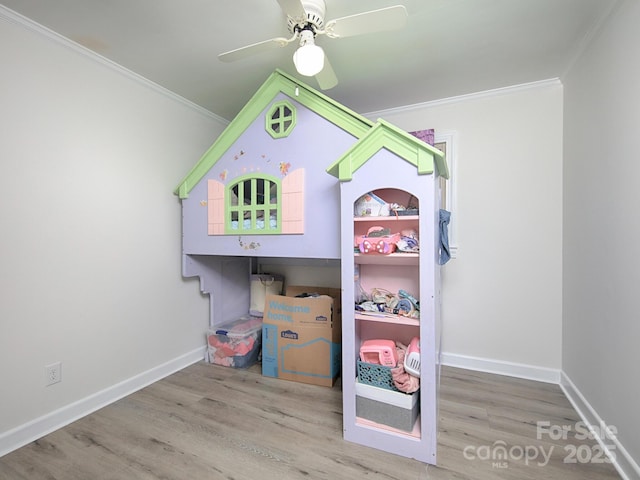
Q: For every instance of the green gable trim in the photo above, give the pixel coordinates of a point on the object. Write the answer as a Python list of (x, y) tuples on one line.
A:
[(278, 82), (424, 157)]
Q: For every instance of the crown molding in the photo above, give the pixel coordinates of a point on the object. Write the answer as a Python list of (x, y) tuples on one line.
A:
[(551, 82), (15, 18)]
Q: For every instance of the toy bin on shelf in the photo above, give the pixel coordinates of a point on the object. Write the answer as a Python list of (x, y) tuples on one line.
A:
[(375, 375), (236, 344), (387, 407)]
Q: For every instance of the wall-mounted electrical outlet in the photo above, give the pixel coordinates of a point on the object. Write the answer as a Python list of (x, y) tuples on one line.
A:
[(52, 373)]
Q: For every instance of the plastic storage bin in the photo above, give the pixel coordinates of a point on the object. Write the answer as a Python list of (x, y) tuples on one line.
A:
[(394, 409), (376, 375), (236, 344)]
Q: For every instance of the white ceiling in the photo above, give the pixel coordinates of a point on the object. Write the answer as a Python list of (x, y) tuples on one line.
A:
[(449, 47)]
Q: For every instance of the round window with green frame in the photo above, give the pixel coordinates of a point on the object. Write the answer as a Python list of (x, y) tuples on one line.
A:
[(280, 119)]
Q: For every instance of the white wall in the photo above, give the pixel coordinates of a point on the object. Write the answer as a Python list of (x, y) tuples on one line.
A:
[(91, 231), (90, 258), (502, 297), (602, 229)]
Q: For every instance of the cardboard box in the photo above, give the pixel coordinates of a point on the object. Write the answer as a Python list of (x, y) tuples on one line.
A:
[(301, 337)]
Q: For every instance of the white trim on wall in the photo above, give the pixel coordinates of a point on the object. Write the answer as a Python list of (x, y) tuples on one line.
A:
[(39, 427), (498, 367), (619, 456), (464, 98), (14, 17), (450, 139)]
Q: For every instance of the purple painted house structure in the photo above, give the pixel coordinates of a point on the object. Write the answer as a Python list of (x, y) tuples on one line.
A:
[(279, 183)]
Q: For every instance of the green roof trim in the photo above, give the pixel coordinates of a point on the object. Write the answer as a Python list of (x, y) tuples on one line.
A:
[(278, 82), (427, 159)]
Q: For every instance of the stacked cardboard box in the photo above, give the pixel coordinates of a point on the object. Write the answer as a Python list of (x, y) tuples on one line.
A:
[(301, 335)]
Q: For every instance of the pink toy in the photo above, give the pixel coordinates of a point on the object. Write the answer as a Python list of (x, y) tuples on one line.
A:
[(403, 380), (375, 241), (381, 352)]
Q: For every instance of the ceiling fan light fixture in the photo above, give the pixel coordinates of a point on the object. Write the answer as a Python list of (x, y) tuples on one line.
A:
[(308, 58)]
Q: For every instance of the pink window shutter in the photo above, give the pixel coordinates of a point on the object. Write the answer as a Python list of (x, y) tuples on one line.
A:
[(293, 202), (215, 207)]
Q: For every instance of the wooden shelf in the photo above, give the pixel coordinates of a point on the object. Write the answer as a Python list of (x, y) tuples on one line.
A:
[(387, 318), (392, 218), (401, 259), (415, 433)]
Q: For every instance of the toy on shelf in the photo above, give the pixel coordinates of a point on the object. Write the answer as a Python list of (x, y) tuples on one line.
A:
[(379, 351), (377, 240), (383, 301)]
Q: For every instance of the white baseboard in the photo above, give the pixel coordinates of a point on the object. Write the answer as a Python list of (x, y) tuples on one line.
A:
[(624, 463), (511, 369), (27, 433)]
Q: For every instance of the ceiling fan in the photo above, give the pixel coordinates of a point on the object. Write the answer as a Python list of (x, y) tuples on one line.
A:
[(306, 20)]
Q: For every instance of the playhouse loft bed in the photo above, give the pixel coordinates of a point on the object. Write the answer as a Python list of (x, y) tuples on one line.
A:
[(270, 187)]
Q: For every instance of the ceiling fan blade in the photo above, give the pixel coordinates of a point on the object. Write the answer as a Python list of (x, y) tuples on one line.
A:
[(249, 50), (390, 18), (294, 9), (326, 78)]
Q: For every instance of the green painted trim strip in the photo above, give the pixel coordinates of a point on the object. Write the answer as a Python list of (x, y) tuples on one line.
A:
[(424, 157), (277, 82), (326, 107)]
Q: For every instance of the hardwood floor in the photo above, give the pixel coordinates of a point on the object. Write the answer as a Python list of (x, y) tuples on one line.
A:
[(212, 422)]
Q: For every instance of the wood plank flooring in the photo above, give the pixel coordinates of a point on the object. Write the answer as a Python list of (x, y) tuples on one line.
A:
[(211, 422)]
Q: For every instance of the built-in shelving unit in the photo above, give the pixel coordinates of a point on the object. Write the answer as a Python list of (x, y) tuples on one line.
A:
[(413, 272), (398, 169)]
